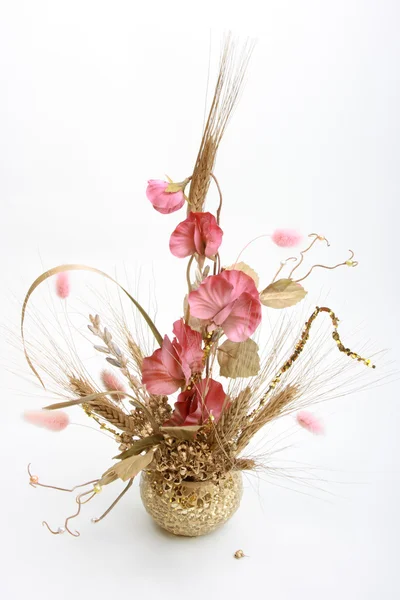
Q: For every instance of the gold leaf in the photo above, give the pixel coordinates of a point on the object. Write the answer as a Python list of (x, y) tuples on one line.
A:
[(140, 445), (181, 433), (241, 266), (282, 294), (239, 359), (128, 468)]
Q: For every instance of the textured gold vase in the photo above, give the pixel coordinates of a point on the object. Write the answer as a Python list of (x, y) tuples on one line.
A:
[(191, 508)]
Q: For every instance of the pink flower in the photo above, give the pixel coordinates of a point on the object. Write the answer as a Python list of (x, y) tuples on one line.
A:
[(229, 300), (113, 384), (172, 366), (195, 406), (62, 285), (286, 238), (164, 202), (55, 420), (310, 422), (199, 233)]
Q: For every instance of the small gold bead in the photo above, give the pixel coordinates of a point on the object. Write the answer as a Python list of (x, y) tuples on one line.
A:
[(34, 479), (97, 488)]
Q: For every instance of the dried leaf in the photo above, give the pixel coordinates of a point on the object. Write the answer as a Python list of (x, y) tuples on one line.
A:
[(128, 468), (140, 445), (114, 362), (239, 359), (181, 433), (241, 266), (282, 294), (116, 349), (102, 349)]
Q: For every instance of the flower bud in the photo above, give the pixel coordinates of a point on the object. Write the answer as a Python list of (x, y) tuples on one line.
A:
[(164, 199)]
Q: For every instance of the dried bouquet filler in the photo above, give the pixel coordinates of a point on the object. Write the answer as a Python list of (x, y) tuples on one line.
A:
[(190, 448)]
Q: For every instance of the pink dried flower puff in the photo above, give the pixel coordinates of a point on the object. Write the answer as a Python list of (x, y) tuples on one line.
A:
[(286, 238), (54, 420), (113, 384), (310, 422), (63, 285)]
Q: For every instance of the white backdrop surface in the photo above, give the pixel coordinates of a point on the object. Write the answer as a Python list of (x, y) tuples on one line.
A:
[(98, 97)]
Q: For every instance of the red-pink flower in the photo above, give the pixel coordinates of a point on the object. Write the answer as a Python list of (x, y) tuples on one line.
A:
[(195, 406), (199, 233), (229, 300), (164, 202), (171, 366)]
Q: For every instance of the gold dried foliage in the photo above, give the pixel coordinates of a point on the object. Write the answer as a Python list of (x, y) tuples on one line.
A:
[(181, 433), (128, 468), (138, 446), (282, 294), (238, 359)]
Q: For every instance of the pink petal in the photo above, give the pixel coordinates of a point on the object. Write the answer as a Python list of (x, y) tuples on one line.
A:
[(240, 283), (171, 359), (181, 410), (213, 396), (156, 377), (195, 406), (211, 233), (244, 318), (55, 420), (164, 202), (182, 242), (190, 342), (198, 240), (211, 297)]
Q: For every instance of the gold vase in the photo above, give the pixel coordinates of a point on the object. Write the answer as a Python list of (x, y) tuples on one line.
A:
[(191, 508)]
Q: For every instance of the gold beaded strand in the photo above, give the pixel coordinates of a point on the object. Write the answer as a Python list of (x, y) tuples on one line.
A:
[(302, 342)]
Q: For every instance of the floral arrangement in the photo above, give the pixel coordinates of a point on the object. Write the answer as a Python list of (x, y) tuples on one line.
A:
[(225, 390)]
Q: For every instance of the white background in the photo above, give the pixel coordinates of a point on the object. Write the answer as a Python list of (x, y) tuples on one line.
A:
[(97, 97)]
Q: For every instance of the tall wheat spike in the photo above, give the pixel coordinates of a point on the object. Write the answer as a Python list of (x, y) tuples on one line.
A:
[(232, 69)]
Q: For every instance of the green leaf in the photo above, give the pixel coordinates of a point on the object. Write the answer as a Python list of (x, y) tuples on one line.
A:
[(238, 359), (282, 294), (181, 433)]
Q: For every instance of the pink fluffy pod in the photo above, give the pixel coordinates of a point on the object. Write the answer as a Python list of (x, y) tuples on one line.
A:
[(286, 238), (113, 384), (63, 285), (310, 422), (54, 420)]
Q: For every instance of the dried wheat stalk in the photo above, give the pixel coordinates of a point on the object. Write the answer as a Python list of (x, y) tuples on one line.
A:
[(103, 408), (229, 83), (278, 405)]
